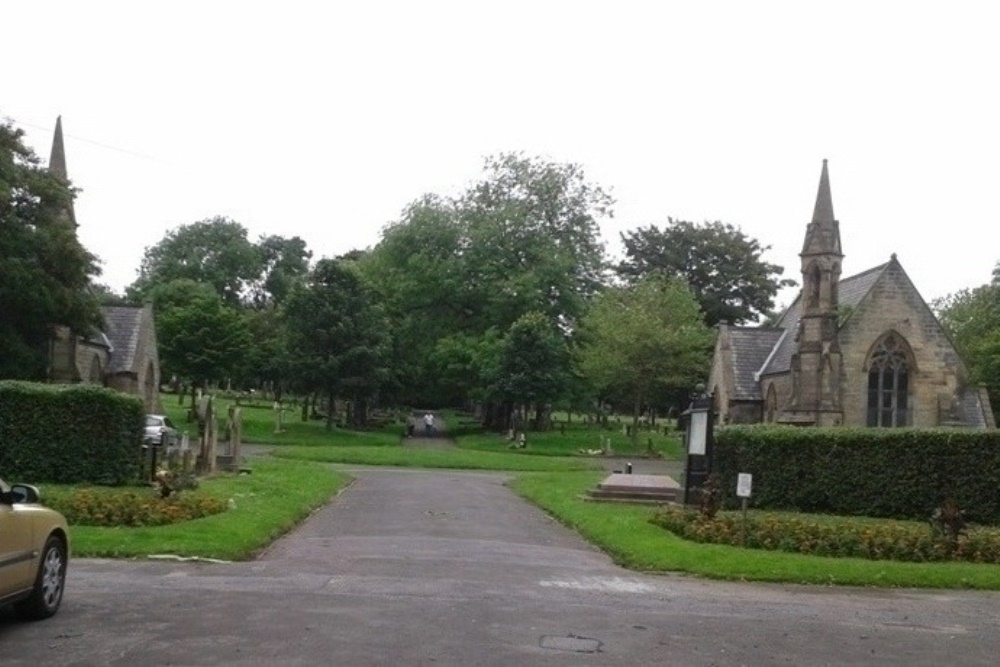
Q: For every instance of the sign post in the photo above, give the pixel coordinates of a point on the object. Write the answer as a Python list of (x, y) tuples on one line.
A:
[(744, 484)]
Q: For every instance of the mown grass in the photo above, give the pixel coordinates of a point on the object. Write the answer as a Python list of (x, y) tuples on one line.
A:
[(625, 532), (412, 457), (577, 439), (259, 426), (264, 505)]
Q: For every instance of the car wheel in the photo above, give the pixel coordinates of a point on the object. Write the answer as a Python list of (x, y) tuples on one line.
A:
[(44, 600)]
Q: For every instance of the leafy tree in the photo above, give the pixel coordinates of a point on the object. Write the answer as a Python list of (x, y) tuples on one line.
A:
[(285, 263), (533, 365), (972, 319), (417, 271), (523, 238), (44, 270), (337, 336), (722, 265), (215, 251), (532, 240), (644, 339), (200, 338)]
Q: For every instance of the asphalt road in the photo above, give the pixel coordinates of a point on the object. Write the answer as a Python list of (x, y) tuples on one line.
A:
[(451, 568)]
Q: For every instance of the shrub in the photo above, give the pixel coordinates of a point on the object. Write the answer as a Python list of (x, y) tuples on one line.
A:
[(890, 473), (69, 435), (132, 508), (837, 537)]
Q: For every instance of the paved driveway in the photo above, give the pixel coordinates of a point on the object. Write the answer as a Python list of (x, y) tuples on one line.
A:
[(451, 568)]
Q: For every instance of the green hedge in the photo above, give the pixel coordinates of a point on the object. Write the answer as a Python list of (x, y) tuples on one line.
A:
[(891, 473), (69, 434)]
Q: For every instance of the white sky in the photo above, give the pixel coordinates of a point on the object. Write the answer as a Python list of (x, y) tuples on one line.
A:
[(324, 119)]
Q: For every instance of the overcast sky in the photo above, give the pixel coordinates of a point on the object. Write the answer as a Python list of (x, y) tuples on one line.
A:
[(324, 119)]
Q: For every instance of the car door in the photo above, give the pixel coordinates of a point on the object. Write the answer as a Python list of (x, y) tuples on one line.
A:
[(16, 571)]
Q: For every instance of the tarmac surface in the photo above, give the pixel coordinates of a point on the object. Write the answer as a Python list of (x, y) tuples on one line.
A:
[(414, 567)]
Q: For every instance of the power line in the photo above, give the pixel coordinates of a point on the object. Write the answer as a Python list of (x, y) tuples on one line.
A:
[(85, 140)]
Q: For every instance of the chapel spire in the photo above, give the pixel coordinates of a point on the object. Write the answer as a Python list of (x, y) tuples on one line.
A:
[(823, 233), (57, 159), (816, 363), (57, 167)]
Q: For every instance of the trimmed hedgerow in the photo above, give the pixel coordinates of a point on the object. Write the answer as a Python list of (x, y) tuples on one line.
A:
[(890, 473), (69, 434), (843, 537)]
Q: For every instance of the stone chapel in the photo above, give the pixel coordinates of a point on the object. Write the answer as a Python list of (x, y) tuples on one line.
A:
[(865, 350), (124, 355)]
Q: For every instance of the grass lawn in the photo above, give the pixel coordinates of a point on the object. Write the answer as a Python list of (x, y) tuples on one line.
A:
[(260, 425), (624, 532), (265, 504), (578, 437), (436, 458)]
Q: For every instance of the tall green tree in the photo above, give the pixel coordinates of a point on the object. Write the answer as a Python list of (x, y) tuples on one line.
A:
[(417, 270), (44, 270), (215, 251), (645, 339), (532, 239), (523, 238), (201, 339), (337, 336), (533, 365), (284, 264), (972, 319), (723, 266)]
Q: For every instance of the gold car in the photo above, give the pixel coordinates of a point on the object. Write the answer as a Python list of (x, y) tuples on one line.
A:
[(34, 551)]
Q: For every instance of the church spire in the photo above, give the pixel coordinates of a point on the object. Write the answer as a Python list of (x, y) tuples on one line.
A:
[(57, 167), (57, 159), (823, 233)]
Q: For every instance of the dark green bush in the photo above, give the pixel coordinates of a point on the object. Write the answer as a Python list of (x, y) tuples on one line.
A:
[(69, 434), (892, 473)]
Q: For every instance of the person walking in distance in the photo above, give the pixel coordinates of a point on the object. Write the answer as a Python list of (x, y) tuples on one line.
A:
[(428, 424)]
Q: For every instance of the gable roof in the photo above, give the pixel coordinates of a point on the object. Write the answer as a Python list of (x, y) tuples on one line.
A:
[(749, 349), (123, 326), (851, 291)]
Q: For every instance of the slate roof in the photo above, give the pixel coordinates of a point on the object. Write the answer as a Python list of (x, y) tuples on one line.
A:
[(750, 348), (851, 291), (123, 326)]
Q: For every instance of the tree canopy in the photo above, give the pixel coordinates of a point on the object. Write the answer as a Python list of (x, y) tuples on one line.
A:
[(44, 270), (972, 319), (645, 339), (337, 337), (723, 266)]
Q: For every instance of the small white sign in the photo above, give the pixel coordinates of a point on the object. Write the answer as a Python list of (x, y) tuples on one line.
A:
[(698, 433), (743, 484)]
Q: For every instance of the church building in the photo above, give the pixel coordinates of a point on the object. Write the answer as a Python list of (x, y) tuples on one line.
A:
[(865, 350), (124, 355)]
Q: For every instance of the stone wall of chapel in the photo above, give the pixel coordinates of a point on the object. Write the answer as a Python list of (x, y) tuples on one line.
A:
[(85, 353), (894, 305), (744, 412), (782, 388), (719, 378)]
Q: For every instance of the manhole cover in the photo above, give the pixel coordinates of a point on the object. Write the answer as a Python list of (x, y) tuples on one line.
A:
[(570, 643)]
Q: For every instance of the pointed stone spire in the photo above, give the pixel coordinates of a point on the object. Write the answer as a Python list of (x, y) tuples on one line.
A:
[(57, 167), (824, 202), (823, 233), (57, 159)]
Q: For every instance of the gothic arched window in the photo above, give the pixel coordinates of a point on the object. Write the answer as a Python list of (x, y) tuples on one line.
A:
[(889, 383), (96, 374), (771, 405)]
